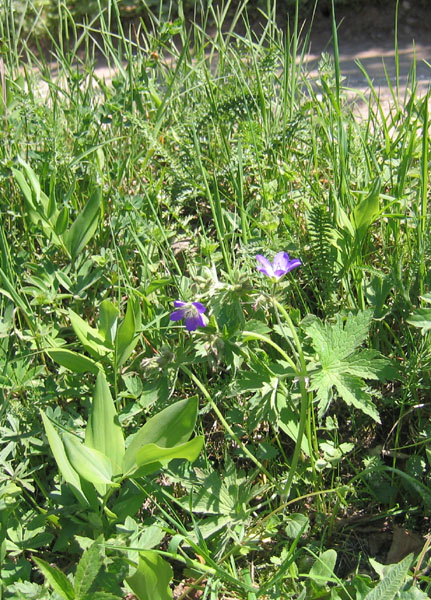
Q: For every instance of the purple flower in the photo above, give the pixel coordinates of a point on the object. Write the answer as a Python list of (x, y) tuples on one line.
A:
[(192, 312), (282, 264)]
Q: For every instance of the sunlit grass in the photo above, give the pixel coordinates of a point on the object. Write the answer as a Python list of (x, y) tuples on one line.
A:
[(162, 183)]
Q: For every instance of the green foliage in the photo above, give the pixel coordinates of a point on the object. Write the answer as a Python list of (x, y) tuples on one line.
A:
[(42, 210), (89, 580), (151, 578), (342, 366), (118, 197), (393, 583), (102, 459)]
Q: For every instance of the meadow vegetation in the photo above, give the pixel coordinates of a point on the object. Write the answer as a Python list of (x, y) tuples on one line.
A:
[(214, 339)]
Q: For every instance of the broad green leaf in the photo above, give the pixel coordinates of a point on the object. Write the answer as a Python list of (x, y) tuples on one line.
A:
[(342, 366), (379, 568), (211, 497), (126, 338), (62, 221), (353, 393), (32, 178), (392, 582), (152, 577), (128, 502), (25, 188), (336, 341), (368, 364), (66, 469), (421, 318), (84, 226), (154, 390), (104, 432), (151, 458), (90, 464), (108, 319), (410, 592), (91, 338), (344, 222), (297, 524), (78, 363), (323, 567), (87, 569), (367, 210), (170, 427), (11, 293), (38, 204), (349, 388), (56, 579), (103, 596)]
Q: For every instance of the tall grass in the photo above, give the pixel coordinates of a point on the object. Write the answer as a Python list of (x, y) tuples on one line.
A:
[(203, 148)]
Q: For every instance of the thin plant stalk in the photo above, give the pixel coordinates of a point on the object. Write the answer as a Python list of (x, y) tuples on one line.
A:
[(304, 420), (226, 425)]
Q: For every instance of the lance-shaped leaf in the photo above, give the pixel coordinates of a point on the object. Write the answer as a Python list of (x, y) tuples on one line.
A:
[(78, 363), (170, 427), (151, 458), (66, 469), (103, 432), (91, 338), (389, 587), (152, 577), (39, 207), (83, 490), (90, 464), (56, 579), (88, 568), (84, 226), (126, 338), (108, 319), (367, 210)]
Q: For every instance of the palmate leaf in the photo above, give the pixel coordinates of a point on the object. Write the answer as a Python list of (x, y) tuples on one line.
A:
[(336, 341), (342, 368), (349, 388)]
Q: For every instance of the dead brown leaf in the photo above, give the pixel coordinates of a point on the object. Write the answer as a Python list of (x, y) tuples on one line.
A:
[(403, 543)]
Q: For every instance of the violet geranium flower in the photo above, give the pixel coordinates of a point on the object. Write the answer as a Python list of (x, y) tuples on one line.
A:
[(192, 312), (282, 264)]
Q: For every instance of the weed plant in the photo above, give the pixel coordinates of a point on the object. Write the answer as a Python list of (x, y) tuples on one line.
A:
[(214, 334)]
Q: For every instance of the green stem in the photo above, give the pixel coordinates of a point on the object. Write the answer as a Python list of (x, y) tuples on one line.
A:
[(226, 425), (304, 422), (263, 338)]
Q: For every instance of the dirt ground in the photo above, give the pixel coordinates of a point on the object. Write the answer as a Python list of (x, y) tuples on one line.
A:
[(366, 33)]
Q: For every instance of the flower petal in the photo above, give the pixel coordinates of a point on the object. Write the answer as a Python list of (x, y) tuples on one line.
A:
[(195, 321), (179, 303), (266, 267), (295, 262), (200, 307), (281, 262), (177, 315)]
